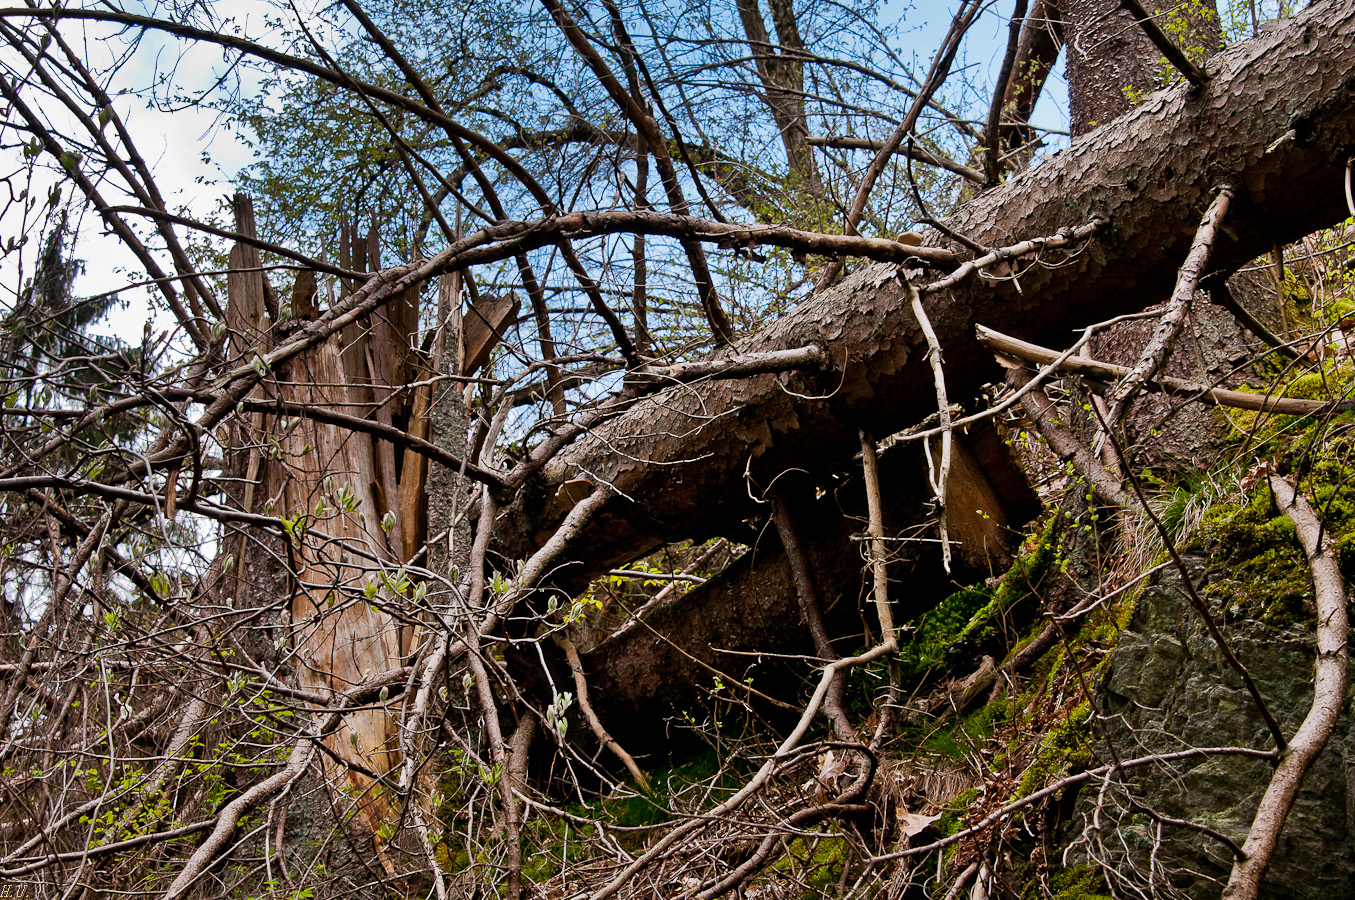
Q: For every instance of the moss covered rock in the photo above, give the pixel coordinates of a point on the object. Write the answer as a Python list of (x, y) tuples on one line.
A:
[(1167, 688)]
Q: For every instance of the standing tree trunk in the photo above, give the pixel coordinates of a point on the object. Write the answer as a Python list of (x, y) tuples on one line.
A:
[(1112, 66), (782, 77), (353, 507)]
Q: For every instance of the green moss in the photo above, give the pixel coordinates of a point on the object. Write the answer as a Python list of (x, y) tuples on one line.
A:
[(952, 819), (964, 735), (984, 720), (1020, 583), (1331, 380), (924, 649), (1067, 746), (1080, 883), (814, 863), (974, 614), (1263, 574), (943, 743)]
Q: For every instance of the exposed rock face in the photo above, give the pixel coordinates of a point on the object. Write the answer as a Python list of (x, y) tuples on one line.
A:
[(1168, 688)]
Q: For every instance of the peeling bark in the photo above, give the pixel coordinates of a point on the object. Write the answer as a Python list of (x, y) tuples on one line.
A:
[(367, 505)]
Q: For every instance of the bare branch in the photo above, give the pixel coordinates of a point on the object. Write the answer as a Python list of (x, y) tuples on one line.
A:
[(1329, 696), (1165, 45)]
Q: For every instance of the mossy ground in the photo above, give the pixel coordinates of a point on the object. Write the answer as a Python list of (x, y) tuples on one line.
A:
[(1081, 883)]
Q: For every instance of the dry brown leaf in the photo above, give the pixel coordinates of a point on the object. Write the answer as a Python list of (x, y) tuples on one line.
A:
[(912, 824)]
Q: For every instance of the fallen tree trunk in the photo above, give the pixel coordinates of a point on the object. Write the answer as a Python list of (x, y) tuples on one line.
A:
[(1277, 120), (737, 628)]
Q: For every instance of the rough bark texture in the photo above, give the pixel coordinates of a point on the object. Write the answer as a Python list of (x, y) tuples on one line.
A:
[(1111, 60), (1110, 63), (1277, 119)]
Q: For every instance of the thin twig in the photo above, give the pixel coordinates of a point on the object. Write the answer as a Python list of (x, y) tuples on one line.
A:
[(870, 465), (807, 593), (941, 474), (1065, 444), (992, 164), (1196, 601), (1062, 784), (1177, 387), (1219, 292), (581, 694)]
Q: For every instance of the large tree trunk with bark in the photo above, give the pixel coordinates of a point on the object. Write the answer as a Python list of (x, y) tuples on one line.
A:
[(701, 455), (1112, 65), (1111, 62), (1277, 120)]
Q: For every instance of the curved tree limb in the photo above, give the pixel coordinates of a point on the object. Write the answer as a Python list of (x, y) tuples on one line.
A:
[(1329, 696)]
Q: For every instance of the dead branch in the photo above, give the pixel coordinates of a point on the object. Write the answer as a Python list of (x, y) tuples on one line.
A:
[(992, 131), (1165, 45), (1220, 293), (1164, 337), (939, 474), (581, 694), (1064, 783), (303, 750), (1067, 237), (1105, 373), (912, 151), (67, 577), (1329, 696), (945, 55), (807, 592), (1066, 445), (870, 468)]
